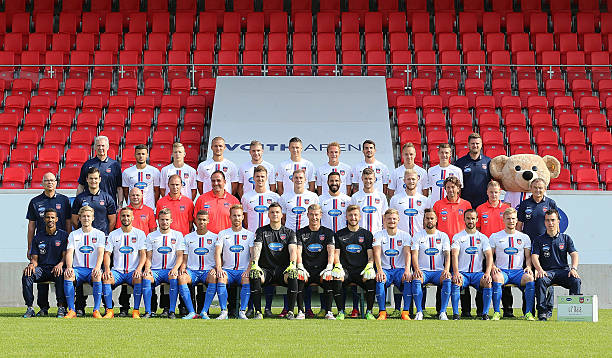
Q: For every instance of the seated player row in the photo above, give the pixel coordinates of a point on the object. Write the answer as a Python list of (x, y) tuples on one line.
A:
[(276, 255)]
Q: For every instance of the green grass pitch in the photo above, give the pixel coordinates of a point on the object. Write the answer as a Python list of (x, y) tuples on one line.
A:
[(314, 337)]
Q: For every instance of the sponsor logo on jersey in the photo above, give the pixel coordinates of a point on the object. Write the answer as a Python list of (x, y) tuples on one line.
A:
[(369, 209), (410, 212), (467, 170), (140, 185), (391, 252), (471, 250), (126, 249), (299, 210), (86, 249), (432, 251), (511, 251), (276, 246), (353, 248), (561, 246), (164, 250), (201, 251), (260, 209), (440, 183), (334, 212), (484, 216), (102, 202), (528, 211), (236, 248), (315, 247), (444, 212), (206, 206)]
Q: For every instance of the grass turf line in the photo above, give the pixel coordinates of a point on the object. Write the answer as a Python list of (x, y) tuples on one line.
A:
[(312, 337)]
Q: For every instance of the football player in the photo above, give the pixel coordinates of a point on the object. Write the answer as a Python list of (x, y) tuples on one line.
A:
[(255, 202), (295, 201), (373, 203)]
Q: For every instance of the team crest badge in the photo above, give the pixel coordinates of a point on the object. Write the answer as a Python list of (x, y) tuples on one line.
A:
[(399, 242), (544, 209), (182, 208), (94, 240), (225, 169), (477, 241), (361, 239), (58, 243), (102, 202), (58, 206), (377, 201), (484, 166), (283, 236), (186, 175), (143, 217), (519, 241), (377, 170), (342, 204), (306, 201), (133, 240), (269, 201), (342, 172), (438, 240), (561, 246), (581, 299), (148, 176), (108, 170), (244, 237), (418, 202), (209, 241), (321, 237), (173, 241), (460, 211)]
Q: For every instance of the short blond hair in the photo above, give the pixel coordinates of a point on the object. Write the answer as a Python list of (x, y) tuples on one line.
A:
[(510, 211), (334, 144), (177, 145), (86, 208), (391, 211)]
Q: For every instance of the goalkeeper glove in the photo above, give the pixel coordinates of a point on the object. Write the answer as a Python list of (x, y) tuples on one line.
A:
[(337, 271), (291, 271), (256, 271), (368, 272), (302, 273), (327, 273)]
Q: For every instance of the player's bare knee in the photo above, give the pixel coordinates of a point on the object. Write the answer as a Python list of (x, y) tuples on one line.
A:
[(244, 281), (184, 280)]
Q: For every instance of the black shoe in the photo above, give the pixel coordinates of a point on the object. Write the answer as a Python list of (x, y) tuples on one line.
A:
[(123, 313), (268, 314), (542, 318), (232, 314), (456, 317), (171, 315), (508, 314), (249, 313), (466, 315), (549, 315), (290, 316), (80, 313), (164, 313), (61, 312), (153, 314), (42, 313), (146, 315), (183, 311), (29, 313), (485, 317)]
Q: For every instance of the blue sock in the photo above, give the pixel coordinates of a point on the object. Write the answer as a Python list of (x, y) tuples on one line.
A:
[(407, 295), (210, 294), (307, 299), (222, 295), (486, 300), (69, 293), (107, 291), (529, 296), (380, 296), (445, 295), (97, 294), (147, 292), (417, 293), (269, 293), (496, 294), (455, 291), (173, 294), (186, 296), (245, 294), (137, 295)]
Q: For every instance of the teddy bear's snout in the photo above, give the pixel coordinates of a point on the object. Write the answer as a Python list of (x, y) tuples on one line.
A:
[(528, 175)]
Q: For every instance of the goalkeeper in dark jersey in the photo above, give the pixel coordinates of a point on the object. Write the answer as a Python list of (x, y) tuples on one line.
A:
[(315, 259), (354, 261), (274, 260)]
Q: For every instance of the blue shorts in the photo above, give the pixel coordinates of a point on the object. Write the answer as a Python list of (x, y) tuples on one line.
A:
[(394, 277), (472, 279), (160, 276), (512, 277), (197, 276), (234, 277), (121, 278), (432, 277), (82, 275)]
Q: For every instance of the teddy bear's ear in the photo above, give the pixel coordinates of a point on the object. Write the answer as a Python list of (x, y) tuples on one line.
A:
[(497, 165), (553, 165)]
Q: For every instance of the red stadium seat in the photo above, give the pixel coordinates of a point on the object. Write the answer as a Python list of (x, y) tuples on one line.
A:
[(13, 178), (587, 179)]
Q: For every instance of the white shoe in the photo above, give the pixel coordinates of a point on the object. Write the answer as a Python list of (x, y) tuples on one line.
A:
[(330, 316), (418, 316), (443, 317), (242, 315), (223, 315), (300, 315)]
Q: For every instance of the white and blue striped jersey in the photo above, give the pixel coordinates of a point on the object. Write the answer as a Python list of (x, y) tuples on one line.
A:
[(373, 207), (256, 207), (435, 179), (411, 210), (472, 249), (245, 175), (125, 247), (396, 183), (85, 245), (431, 249), (381, 172), (200, 250), (333, 211), (236, 252), (145, 179), (295, 207), (323, 172), (164, 248), (392, 248), (509, 249)]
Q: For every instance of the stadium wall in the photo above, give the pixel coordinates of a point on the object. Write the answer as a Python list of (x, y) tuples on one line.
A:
[(587, 213)]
